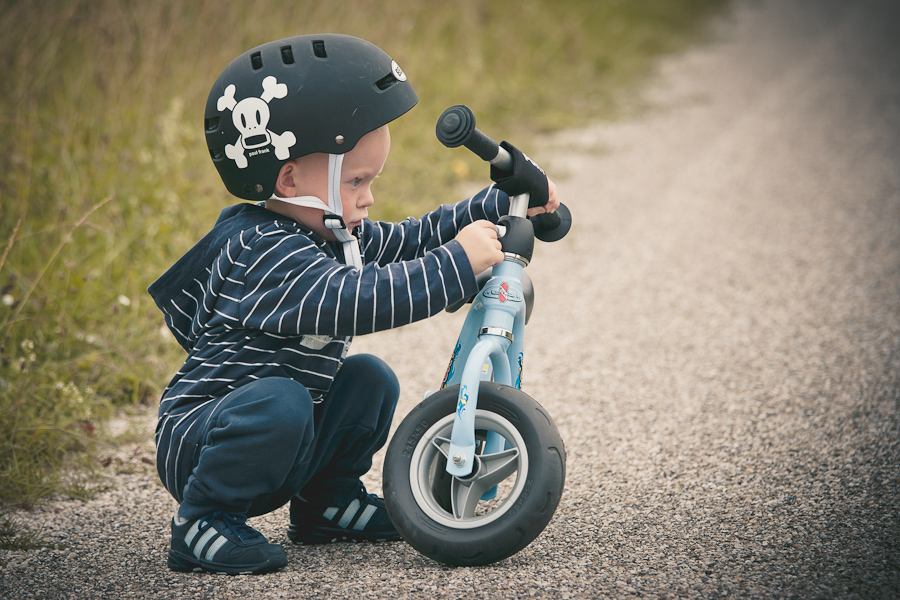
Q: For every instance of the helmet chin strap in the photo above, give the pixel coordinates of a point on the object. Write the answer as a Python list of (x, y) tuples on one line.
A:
[(333, 218)]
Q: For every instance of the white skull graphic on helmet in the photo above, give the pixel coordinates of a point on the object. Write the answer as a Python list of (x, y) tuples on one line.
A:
[(251, 117)]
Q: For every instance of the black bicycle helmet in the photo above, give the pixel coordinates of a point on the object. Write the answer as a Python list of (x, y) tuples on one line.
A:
[(296, 96)]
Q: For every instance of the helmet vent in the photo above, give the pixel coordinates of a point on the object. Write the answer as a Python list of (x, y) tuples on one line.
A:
[(212, 123), (256, 61), (386, 81), (287, 55), (319, 49)]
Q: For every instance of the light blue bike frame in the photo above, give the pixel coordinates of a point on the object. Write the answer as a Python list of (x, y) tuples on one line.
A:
[(490, 345)]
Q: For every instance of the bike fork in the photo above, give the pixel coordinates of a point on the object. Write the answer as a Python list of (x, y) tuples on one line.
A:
[(490, 350), (497, 350)]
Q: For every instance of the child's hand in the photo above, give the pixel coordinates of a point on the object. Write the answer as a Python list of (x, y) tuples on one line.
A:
[(479, 240), (526, 176), (552, 203)]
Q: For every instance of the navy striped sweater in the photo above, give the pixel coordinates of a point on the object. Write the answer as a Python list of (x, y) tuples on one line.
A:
[(263, 296)]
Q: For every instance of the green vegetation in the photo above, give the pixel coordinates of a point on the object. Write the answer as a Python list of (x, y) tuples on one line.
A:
[(105, 178), (16, 536)]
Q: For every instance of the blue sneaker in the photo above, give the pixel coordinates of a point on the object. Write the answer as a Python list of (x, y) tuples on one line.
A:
[(223, 543), (365, 519)]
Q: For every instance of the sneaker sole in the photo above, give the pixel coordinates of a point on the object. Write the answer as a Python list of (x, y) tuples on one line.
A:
[(184, 564)]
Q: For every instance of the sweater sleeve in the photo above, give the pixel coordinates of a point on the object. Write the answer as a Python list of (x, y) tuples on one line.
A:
[(291, 286), (384, 243)]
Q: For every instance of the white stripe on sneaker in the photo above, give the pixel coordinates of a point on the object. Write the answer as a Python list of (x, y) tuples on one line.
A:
[(188, 538), (348, 515), (366, 515), (206, 537), (330, 512), (214, 547)]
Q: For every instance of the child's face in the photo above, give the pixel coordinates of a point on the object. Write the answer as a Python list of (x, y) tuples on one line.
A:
[(308, 176), (361, 167)]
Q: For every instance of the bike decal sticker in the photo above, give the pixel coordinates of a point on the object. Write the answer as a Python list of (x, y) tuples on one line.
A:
[(503, 293), (519, 377), (251, 117), (451, 367), (463, 400)]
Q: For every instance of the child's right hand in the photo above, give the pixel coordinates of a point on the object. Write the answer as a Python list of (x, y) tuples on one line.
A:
[(479, 240)]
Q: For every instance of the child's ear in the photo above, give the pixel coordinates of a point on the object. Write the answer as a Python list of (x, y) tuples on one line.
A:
[(285, 185)]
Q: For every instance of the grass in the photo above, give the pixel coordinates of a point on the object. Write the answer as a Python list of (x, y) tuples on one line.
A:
[(16, 536), (105, 179)]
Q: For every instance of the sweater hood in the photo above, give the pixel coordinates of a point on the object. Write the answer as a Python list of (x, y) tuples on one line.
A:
[(185, 272)]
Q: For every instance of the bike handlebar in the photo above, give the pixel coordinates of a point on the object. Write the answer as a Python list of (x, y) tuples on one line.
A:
[(456, 127)]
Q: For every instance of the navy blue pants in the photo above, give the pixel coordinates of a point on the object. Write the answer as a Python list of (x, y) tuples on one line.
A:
[(254, 449)]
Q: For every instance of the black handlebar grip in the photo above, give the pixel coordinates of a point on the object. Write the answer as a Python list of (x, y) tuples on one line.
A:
[(456, 127), (550, 227)]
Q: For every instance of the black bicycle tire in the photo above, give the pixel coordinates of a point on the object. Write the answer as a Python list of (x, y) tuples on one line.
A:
[(530, 513)]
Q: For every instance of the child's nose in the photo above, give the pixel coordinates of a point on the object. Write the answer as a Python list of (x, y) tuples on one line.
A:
[(366, 199)]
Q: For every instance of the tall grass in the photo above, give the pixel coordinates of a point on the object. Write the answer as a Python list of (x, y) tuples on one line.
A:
[(105, 179)]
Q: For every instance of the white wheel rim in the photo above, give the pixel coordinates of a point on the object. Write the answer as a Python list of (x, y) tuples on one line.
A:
[(431, 447)]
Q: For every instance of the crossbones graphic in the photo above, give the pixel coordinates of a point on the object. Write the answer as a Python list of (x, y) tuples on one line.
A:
[(251, 117)]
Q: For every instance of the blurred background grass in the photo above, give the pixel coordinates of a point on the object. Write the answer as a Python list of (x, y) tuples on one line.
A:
[(105, 179)]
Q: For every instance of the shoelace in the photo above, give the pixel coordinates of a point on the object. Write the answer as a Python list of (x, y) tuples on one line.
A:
[(372, 499), (236, 523), (364, 496)]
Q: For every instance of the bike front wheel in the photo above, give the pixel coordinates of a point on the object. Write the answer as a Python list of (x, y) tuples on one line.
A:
[(507, 500)]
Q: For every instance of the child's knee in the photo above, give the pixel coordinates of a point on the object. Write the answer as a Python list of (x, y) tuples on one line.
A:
[(375, 374), (288, 404)]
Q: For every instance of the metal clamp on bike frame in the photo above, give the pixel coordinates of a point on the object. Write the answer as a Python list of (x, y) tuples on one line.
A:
[(497, 331), (515, 257)]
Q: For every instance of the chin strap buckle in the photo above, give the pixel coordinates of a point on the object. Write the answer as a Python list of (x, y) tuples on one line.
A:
[(349, 241), (337, 226), (334, 222)]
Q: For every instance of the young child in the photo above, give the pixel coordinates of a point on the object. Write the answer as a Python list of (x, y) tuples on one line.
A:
[(268, 408)]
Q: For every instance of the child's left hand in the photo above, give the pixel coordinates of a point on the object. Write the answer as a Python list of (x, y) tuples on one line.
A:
[(552, 203)]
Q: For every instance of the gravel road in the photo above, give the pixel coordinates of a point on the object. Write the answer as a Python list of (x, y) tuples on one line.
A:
[(718, 340)]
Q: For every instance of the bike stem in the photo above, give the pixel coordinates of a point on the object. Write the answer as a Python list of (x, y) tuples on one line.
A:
[(518, 205)]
